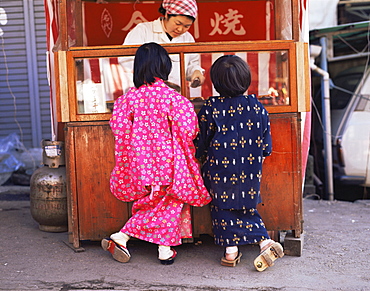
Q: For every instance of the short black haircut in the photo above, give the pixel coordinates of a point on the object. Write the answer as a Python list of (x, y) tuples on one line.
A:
[(163, 11), (230, 76), (151, 61)]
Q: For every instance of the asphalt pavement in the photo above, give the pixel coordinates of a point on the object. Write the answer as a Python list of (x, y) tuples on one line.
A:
[(335, 256)]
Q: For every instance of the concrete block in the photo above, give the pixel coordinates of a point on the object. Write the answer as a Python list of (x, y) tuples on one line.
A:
[(293, 246)]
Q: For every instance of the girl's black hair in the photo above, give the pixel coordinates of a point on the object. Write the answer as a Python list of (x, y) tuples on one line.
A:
[(151, 61), (162, 11), (230, 76)]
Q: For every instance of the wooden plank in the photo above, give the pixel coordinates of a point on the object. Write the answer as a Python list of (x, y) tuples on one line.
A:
[(79, 24), (281, 180), (71, 84), (58, 103), (199, 47), (201, 220), (297, 192), (99, 212), (63, 25), (294, 16), (72, 201), (62, 103), (303, 82), (293, 78)]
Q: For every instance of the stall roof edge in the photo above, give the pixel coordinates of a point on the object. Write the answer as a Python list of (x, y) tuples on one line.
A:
[(349, 40), (347, 28)]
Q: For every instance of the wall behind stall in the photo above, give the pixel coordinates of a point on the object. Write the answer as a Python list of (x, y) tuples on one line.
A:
[(24, 90), (323, 13)]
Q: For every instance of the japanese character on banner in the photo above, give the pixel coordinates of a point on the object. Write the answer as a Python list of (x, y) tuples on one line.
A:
[(136, 17), (106, 22), (230, 21)]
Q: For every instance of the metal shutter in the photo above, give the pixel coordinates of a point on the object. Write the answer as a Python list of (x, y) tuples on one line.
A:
[(24, 90)]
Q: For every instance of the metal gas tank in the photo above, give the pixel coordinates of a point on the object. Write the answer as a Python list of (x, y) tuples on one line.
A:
[(48, 193)]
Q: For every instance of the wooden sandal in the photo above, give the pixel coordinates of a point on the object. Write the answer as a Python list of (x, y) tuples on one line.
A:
[(231, 263), (119, 252), (268, 256), (170, 260)]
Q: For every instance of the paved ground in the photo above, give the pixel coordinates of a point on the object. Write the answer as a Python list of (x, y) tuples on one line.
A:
[(335, 257)]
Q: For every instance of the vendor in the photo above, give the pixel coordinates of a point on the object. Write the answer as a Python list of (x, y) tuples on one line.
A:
[(172, 27)]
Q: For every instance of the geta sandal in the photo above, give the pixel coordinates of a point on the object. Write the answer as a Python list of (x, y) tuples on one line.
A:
[(231, 263), (119, 252), (267, 257), (170, 260)]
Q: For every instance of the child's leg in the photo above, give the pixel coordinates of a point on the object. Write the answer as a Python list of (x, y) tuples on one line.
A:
[(164, 252), (232, 256), (231, 253), (120, 238), (265, 243), (166, 255)]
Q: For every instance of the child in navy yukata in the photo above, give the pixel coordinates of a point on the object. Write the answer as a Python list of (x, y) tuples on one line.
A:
[(233, 142)]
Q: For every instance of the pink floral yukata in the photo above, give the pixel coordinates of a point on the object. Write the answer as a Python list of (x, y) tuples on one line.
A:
[(154, 128)]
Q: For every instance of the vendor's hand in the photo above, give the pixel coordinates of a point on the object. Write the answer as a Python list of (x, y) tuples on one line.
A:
[(197, 77)]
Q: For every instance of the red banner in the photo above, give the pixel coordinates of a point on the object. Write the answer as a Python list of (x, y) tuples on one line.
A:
[(108, 24)]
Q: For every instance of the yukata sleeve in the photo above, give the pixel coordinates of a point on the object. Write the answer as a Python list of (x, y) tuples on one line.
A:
[(120, 121), (121, 184), (267, 139), (187, 185), (206, 132), (184, 119)]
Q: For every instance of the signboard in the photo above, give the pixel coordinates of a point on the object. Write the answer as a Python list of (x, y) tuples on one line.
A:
[(108, 24)]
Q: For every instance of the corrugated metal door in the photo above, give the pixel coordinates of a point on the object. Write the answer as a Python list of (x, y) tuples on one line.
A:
[(24, 89)]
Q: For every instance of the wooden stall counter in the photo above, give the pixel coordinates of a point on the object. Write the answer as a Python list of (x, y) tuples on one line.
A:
[(94, 213)]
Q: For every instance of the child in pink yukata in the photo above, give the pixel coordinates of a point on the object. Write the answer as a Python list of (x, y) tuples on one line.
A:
[(154, 128)]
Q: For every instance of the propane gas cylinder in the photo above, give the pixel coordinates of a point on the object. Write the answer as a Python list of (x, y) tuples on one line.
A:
[(48, 194)]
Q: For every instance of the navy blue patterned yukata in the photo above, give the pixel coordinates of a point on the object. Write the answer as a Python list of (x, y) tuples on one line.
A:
[(234, 137)]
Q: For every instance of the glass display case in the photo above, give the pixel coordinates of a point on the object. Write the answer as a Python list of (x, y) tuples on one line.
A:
[(97, 77)]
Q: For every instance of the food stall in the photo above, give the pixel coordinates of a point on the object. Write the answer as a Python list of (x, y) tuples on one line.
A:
[(87, 75)]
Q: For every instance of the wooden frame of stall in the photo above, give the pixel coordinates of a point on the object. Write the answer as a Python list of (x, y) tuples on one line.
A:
[(94, 212)]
